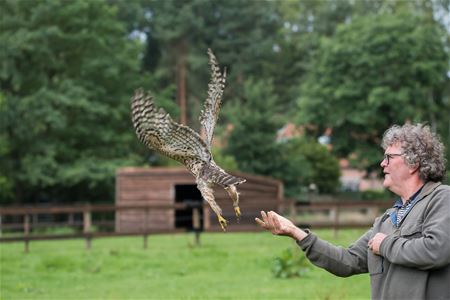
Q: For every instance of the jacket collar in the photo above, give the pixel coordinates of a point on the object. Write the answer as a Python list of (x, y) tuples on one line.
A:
[(427, 189), (424, 191)]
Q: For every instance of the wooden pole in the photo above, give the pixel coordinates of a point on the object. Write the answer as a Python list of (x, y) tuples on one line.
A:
[(293, 211), (146, 220), (206, 218), (335, 221), (196, 224), (87, 221), (26, 228), (181, 68), (70, 219)]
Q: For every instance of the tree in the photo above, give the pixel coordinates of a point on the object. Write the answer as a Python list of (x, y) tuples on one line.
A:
[(68, 71), (297, 162), (304, 23), (376, 71), (178, 34), (252, 140), (305, 162)]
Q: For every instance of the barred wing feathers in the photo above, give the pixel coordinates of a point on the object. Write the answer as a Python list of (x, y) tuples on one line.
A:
[(156, 129), (210, 112)]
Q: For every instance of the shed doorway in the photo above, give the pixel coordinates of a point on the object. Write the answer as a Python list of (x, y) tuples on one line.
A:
[(189, 194)]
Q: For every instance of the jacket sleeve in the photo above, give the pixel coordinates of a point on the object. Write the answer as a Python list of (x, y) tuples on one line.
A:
[(429, 249), (337, 260)]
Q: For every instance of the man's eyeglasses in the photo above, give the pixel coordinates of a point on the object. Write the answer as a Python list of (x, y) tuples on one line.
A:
[(389, 156)]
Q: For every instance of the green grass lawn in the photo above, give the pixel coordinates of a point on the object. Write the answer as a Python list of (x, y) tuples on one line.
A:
[(224, 266)]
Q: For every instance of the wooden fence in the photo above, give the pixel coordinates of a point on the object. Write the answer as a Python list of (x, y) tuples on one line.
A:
[(29, 213), (329, 214), (335, 214)]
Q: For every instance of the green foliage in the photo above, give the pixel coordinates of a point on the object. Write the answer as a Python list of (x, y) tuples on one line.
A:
[(325, 167), (369, 195), (66, 118), (298, 162), (306, 162), (376, 71), (296, 171), (376, 195), (225, 161), (185, 29), (291, 263), (252, 141), (447, 180)]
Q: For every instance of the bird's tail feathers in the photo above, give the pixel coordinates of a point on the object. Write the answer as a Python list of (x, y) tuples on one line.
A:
[(220, 177)]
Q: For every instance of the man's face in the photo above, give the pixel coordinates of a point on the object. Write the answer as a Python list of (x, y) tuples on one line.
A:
[(395, 170)]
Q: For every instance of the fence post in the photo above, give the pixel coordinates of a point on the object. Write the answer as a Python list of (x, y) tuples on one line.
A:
[(335, 221), (26, 229), (196, 224), (293, 211), (146, 228), (87, 225), (70, 220), (206, 218)]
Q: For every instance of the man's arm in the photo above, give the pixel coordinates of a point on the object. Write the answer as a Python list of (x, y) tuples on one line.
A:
[(337, 260)]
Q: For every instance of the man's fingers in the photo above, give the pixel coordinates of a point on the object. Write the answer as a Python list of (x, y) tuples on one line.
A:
[(274, 218), (270, 221), (272, 214), (276, 222), (260, 222), (264, 216)]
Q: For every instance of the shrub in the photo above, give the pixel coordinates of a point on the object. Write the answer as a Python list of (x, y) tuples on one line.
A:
[(291, 264), (306, 162)]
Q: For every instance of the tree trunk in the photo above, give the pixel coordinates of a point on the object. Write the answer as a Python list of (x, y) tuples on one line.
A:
[(181, 80)]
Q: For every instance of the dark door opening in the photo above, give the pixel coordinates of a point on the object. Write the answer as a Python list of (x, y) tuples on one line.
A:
[(189, 194)]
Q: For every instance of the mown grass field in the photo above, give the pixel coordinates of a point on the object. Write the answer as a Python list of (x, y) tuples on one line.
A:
[(225, 266)]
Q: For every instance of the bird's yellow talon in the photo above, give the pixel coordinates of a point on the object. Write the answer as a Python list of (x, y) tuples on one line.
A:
[(223, 223), (237, 210)]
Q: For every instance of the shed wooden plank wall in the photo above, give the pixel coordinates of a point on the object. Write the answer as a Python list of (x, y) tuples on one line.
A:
[(157, 185)]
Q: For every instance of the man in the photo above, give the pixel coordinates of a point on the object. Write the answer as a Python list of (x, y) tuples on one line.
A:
[(407, 250)]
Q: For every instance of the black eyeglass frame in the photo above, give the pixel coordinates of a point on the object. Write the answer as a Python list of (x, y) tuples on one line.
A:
[(388, 156)]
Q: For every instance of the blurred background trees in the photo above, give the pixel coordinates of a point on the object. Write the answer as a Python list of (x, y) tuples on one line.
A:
[(377, 70), (66, 68), (69, 69)]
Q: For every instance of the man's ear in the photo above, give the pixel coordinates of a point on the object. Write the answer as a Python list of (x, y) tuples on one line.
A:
[(413, 168)]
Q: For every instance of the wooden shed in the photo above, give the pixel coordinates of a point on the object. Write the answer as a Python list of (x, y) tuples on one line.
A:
[(168, 186)]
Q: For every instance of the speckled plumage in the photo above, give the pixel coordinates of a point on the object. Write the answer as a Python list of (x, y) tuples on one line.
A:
[(156, 129)]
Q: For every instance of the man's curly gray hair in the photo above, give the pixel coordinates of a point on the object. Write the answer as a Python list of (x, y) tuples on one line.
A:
[(420, 146)]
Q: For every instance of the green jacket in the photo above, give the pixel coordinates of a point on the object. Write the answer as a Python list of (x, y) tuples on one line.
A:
[(415, 257)]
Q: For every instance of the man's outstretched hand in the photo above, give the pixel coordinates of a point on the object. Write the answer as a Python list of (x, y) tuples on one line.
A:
[(279, 225)]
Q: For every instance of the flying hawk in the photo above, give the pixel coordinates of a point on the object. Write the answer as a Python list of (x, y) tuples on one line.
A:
[(156, 129)]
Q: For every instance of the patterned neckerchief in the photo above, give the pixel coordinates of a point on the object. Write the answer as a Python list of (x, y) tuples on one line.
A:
[(402, 209)]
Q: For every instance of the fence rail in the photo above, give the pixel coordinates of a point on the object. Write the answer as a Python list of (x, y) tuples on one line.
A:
[(333, 213), (28, 213), (329, 214)]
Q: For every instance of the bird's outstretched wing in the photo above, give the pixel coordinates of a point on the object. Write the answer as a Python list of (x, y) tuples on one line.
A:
[(210, 112), (156, 129)]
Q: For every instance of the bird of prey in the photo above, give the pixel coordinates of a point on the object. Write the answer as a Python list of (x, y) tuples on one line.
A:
[(156, 129)]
